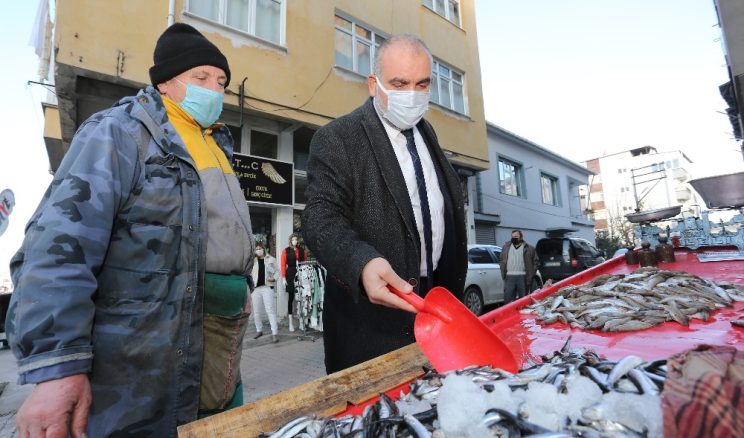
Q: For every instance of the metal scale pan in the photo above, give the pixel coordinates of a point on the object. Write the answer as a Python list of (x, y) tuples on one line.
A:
[(721, 191), (653, 215)]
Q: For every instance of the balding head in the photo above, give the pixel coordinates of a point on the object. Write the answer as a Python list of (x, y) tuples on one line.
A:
[(402, 63), (404, 42)]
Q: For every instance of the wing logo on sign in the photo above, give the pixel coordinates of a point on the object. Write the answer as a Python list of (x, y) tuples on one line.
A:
[(272, 174)]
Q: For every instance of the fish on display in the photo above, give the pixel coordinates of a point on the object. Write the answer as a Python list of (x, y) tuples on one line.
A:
[(643, 299), (571, 393)]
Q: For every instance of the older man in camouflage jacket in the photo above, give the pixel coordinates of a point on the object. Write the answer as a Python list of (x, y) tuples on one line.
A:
[(129, 297)]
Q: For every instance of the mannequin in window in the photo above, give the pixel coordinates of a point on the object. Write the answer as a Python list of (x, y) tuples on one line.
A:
[(290, 257), (265, 273)]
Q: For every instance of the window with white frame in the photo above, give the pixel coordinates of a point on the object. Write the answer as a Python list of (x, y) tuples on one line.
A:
[(447, 87), (356, 46), (510, 177), (261, 18), (449, 9), (549, 186)]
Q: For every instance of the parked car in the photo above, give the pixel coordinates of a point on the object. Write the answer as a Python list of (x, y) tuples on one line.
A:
[(562, 257), (483, 283)]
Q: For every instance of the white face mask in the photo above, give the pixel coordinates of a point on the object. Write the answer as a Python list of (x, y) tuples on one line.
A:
[(404, 108), (294, 242), (259, 252)]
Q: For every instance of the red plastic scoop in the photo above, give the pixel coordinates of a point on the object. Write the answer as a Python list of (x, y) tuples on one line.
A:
[(452, 337)]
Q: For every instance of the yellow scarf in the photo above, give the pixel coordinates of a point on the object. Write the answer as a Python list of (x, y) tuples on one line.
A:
[(200, 144)]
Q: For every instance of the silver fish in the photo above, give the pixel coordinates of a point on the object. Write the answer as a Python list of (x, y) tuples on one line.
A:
[(622, 367)]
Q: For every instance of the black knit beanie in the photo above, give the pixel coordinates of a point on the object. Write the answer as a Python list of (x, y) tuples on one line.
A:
[(181, 48)]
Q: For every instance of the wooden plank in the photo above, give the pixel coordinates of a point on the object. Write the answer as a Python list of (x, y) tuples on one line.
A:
[(325, 396)]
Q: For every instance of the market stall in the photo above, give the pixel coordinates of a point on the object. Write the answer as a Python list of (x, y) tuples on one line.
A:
[(346, 392)]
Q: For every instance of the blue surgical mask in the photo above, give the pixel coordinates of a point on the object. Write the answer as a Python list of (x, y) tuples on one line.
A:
[(204, 105)]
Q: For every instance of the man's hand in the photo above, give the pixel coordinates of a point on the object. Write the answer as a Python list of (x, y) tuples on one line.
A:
[(56, 408), (284, 282), (376, 276)]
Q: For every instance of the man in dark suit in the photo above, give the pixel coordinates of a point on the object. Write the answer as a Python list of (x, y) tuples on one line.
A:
[(384, 208)]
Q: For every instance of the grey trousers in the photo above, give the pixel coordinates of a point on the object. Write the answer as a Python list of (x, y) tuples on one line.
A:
[(515, 286)]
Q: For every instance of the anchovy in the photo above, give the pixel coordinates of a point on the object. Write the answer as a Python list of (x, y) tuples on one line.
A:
[(622, 367), (597, 376), (426, 416), (292, 428), (418, 429), (387, 406), (628, 326), (384, 419), (644, 383), (522, 425), (636, 301)]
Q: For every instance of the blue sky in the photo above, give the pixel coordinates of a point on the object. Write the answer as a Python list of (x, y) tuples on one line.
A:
[(579, 77)]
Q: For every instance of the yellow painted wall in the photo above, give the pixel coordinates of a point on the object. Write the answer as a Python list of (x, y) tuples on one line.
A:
[(52, 127), (90, 34)]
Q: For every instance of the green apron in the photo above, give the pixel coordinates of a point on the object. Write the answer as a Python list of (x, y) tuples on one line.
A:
[(224, 326)]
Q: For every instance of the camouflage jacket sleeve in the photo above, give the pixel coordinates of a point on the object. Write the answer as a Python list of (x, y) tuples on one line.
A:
[(54, 272)]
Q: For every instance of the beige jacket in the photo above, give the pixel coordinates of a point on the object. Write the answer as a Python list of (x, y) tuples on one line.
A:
[(271, 270)]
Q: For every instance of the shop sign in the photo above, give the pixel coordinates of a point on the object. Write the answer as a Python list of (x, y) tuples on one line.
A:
[(7, 202), (265, 180)]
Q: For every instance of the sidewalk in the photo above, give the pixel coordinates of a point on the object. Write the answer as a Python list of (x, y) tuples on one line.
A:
[(269, 368), (266, 368)]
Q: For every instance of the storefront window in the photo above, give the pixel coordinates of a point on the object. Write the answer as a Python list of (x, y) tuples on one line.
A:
[(264, 144), (235, 132), (301, 147), (261, 224), (300, 187)]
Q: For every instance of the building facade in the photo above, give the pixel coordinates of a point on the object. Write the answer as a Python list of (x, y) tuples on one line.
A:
[(640, 179), (731, 21), (296, 65), (529, 188)]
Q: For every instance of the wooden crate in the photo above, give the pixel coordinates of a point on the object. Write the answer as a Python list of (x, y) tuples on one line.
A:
[(325, 396)]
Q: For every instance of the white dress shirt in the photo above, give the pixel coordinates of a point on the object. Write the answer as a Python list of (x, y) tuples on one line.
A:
[(436, 201)]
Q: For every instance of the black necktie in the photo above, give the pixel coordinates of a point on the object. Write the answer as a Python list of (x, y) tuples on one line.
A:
[(425, 212)]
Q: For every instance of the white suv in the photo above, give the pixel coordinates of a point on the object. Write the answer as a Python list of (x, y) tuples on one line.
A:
[(483, 283)]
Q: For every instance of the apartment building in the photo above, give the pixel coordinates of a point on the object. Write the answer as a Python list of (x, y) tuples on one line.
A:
[(641, 178), (528, 187), (731, 21), (296, 65)]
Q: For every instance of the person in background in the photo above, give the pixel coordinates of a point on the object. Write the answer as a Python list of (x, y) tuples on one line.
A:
[(292, 254), (266, 273), (518, 267), (129, 297), (384, 208)]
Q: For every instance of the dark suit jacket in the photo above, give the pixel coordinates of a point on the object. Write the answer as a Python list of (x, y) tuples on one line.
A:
[(357, 209)]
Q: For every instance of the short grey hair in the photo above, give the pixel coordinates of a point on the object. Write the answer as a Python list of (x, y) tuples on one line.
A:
[(408, 39)]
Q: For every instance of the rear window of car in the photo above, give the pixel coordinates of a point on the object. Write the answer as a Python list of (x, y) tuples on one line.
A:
[(584, 247), (479, 256), (549, 247)]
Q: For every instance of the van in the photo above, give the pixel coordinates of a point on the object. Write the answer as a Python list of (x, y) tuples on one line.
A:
[(562, 257)]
